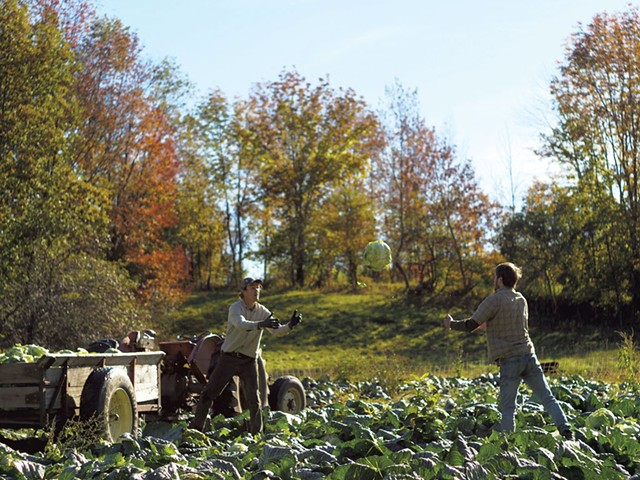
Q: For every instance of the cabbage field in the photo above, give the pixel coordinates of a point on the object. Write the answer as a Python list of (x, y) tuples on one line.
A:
[(436, 428)]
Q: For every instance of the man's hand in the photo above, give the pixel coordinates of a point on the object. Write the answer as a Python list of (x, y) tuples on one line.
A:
[(269, 322), (447, 322), (296, 318)]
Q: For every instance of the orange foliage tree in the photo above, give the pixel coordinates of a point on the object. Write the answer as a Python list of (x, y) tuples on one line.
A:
[(127, 148)]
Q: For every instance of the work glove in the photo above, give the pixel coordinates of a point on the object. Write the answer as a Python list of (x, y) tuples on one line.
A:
[(269, 322), (296, 318)]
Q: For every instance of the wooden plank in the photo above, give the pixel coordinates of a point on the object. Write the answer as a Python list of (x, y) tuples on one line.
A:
[(32, 372), (48, 395), (102, 359), (19, 397), (52, 376), (147, 392), (148, 408), (20, 419), (146, 374), (27, 397), (146, 383), (76, 379), (20, 373)]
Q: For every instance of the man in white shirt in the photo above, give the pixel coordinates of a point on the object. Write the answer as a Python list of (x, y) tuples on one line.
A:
[(240, 350)]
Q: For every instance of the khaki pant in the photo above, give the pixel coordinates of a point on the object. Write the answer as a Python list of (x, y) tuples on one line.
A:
[(230, 365)]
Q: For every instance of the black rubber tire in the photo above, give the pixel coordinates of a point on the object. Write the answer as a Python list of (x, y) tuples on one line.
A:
[(175, 392), (108, 397), (287, 395)]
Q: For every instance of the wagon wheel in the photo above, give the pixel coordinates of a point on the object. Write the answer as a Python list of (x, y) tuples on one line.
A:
[(108, 397), (287, 395)]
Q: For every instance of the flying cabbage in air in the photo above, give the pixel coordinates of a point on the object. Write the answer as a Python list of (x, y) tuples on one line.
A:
[(376, 256)]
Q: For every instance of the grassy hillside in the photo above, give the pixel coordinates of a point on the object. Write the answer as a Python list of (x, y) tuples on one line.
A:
[(377, 332)]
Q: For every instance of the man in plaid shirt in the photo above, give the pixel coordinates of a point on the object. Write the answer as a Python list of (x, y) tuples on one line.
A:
[(505, 317)]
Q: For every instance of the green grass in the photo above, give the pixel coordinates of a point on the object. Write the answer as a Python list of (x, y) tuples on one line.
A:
[(378, 333)]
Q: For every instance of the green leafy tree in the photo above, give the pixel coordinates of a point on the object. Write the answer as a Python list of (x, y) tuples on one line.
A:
[(537, 237), (230, 162), (204, 218), (53, 222), (303, 140), (570, 259), (597, 136)]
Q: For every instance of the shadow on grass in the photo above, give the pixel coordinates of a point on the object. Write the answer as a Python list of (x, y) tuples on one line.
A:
[(371, 327)]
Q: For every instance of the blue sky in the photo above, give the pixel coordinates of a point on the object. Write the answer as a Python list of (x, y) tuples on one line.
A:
[(481, 67)]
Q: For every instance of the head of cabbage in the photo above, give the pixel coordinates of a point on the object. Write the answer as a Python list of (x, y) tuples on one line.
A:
[(600, 418), (376, 256)]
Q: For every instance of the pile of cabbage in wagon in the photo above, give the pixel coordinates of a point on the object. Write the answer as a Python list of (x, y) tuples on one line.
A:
[(31, 353)]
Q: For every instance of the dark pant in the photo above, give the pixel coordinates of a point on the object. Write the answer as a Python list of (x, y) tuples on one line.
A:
[(229, 366)]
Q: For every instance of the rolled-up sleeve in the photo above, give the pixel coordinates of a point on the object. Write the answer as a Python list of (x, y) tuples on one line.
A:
[(468, 325), (280, 331), (237, 319)]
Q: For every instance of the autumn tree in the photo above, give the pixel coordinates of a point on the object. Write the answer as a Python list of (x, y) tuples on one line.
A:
[(347, 225), (437, 221), (304, 140), (128, 150), (597, 137)]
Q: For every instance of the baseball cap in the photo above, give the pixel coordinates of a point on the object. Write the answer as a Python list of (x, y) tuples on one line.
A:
[(249, 281)]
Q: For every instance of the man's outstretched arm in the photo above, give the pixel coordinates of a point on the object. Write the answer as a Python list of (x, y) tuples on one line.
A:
[(468, 325)]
